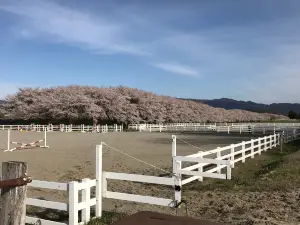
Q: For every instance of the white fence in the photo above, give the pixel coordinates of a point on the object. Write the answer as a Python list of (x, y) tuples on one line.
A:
[(74, 189), (216, 163), (249, 128), (65, 128), (228, 156)]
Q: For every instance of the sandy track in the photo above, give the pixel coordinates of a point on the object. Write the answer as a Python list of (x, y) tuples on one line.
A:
[(76, 151), (71, 156)]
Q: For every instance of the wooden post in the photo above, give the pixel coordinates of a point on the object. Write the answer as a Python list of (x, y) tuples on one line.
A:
[(13, 207)]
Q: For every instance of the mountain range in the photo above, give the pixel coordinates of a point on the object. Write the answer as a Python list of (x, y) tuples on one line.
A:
[(226, 103)]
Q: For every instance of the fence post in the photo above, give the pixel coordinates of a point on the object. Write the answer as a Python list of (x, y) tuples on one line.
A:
[(243, 152), (99, 180), (174, 152), (232, 155), (259, 146), (8, 139), (200, 169), (228, 176), (265, 143), (73, 203), (218, 157), (13, 209), (86, 196), (45, 138), (252, 148)]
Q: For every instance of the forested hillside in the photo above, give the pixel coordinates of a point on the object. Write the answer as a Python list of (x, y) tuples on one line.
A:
[(76, 104), (278, 108)]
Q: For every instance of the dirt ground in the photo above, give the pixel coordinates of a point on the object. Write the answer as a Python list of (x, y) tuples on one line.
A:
[(71, 156)]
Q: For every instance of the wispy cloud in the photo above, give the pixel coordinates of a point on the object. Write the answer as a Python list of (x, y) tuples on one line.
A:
[(62, 24), (176, 68), (258, 56)]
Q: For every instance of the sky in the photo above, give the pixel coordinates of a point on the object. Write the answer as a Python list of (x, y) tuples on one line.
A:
[(245, 50)]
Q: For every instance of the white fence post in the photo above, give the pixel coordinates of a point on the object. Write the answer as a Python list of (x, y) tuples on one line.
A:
[(265, 143), (243, 152), (200, 169), (177, 182), (252, 148), (86, 196), (45, 138), (229, 170), (174, 152), (232, 155), (99, 180), (8, 139), (73, 203), (218, 157), (259, 146)]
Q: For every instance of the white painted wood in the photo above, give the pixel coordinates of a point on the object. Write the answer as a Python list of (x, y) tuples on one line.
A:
[(46, 204), (252, 148), (228, 172), (34, 220), (174, 152), (232, 155), (48, 185), (73, 203), (104, 184), (140, 198), (83, 205), (200, 169), (140, 178), (243, 151), (218, 157), (99, 179), (189, 180), (265, 143), (215, 169), (203, 174), (200, 160), (86, 195)]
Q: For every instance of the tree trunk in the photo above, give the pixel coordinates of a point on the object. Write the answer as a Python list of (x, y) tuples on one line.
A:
[(12, 207)]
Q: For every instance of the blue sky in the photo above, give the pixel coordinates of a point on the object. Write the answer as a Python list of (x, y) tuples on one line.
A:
[(247, 50)]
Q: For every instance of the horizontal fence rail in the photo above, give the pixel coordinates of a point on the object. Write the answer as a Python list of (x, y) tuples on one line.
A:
[(210, 163)]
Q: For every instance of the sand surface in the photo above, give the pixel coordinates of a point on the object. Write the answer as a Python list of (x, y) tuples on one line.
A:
[(71, 156)]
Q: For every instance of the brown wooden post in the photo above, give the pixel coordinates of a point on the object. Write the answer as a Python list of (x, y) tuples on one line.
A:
[(12, 207)]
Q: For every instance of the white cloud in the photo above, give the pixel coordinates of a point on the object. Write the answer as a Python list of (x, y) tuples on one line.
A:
[(258, 59), (62, 24), (176, 68)]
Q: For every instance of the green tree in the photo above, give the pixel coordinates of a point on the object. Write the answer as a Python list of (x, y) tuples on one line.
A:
[(292, 115)]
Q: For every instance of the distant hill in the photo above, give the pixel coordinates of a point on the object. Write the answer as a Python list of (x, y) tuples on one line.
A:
[(226, 103)]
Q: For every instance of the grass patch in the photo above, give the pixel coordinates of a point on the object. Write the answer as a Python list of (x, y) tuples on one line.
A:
[(271, 171)]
